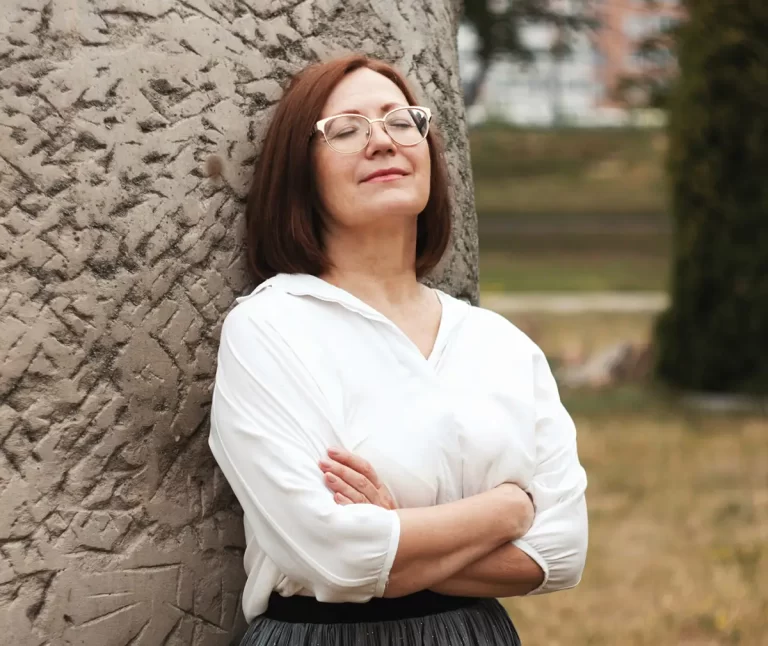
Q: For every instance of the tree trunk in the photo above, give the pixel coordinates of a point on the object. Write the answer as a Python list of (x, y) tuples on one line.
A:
[(119, 258)]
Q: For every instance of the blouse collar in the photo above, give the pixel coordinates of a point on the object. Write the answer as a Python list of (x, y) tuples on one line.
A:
[(454, 310)]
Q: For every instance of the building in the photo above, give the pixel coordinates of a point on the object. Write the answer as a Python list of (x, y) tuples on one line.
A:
[(581, 88), (545, 91), (624, 26)]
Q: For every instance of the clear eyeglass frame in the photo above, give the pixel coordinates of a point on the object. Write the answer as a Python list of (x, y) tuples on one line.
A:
[(321, 125)]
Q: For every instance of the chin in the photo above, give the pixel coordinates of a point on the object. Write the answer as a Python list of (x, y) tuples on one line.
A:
[(403, 207)]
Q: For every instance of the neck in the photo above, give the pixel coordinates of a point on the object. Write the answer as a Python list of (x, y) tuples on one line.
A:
[(377, 266)]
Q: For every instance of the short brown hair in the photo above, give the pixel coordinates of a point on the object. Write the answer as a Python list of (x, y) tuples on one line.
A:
[(284, 214)]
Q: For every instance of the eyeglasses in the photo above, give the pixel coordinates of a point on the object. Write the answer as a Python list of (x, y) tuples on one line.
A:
[(350, 133)]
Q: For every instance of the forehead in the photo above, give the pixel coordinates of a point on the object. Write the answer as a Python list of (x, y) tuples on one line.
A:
[(363, 91)]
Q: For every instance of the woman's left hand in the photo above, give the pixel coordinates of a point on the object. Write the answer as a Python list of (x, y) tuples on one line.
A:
[(354, 481)]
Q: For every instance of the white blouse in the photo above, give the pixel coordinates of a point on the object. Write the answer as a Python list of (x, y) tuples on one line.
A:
[(304, 365)]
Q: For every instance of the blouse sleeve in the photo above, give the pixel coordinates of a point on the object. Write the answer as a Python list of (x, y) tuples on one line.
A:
[(558, 538), (270, 424)]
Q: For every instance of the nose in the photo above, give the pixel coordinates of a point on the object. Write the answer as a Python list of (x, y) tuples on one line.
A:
[(380, 141)]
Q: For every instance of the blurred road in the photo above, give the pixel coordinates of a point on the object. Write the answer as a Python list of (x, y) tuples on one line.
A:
[(574, 303)]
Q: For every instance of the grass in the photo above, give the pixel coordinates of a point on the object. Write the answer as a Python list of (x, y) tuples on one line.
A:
[(678, 554), (574, 335), (678, 501), (571, 209), (678, 506), (570, 171), (546, 194), (558, 270)]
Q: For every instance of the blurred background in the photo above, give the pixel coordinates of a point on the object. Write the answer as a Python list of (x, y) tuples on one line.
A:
[(619, 151)]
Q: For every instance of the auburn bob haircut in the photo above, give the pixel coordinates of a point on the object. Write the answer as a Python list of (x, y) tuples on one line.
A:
[(284, 215)]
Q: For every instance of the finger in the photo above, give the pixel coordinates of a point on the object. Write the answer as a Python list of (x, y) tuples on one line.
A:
[(342, 499), (353, 478), (356, 463), (338, 486), (389, 501)]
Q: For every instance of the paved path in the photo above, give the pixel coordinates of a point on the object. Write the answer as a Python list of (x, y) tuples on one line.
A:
[(575, 303)]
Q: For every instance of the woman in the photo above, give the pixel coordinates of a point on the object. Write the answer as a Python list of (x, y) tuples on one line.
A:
[(388, 443)]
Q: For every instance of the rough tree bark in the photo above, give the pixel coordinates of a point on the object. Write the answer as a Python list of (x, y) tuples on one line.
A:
[(118, 261)]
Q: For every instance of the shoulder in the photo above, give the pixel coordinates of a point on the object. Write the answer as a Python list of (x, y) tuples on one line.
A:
[(265, 316), (493, 328), (276, 322), (259, 309), (501, 343), (262, 335)]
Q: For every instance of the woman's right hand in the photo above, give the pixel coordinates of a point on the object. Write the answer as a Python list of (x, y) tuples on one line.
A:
[(522, 511), (354, 481)]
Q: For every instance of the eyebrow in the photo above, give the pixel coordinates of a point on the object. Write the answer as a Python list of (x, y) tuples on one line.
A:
[(384, 108)]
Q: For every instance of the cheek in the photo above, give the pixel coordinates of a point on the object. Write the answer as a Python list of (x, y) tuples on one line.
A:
[(331, 177), (322, 171), (425, 170)]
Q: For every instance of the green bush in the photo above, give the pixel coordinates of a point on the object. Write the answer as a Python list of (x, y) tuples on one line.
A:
[(714, 337)]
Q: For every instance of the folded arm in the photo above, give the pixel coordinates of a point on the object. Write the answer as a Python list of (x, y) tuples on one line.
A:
[(558, 538), (505, 572), (271, 424), (551, 555)]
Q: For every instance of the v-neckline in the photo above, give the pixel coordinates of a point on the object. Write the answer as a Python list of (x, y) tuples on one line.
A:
[(385, 319), (438, 335), (350, 301), (316, 287)]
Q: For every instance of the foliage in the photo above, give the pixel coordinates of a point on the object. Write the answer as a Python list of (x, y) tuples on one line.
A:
[(653, 84), (497, 25), (714, 337)]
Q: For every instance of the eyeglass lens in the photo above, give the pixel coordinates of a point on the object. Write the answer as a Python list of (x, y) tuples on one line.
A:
[(350, 133)]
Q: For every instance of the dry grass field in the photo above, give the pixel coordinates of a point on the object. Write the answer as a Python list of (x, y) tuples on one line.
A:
[(678, 553), (571, 209), (568, 171), (564, 269), (678, 506), (583, 333), (678, 500)]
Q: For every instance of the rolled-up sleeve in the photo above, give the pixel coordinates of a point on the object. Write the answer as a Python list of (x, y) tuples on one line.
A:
[(558, 538), (270, 424)]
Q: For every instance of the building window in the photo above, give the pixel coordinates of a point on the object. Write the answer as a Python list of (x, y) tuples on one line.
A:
[(638, 27), (661, 57), (600, 92), (635, 61), (668, 22), (598, 57), (633, 26)]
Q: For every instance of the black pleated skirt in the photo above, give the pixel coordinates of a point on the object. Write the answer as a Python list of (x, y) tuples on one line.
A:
[(422, 619)]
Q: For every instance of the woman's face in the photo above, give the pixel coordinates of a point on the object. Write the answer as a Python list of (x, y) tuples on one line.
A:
[(349, 197)]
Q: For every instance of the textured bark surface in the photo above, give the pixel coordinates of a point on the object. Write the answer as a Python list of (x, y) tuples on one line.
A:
[(119, 258)]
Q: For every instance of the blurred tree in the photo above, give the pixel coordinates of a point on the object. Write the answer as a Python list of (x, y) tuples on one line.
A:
[(714, 337), (650, 87), (497, 25)]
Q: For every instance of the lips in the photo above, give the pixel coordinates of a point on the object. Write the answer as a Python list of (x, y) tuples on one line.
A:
[(385, 174)]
